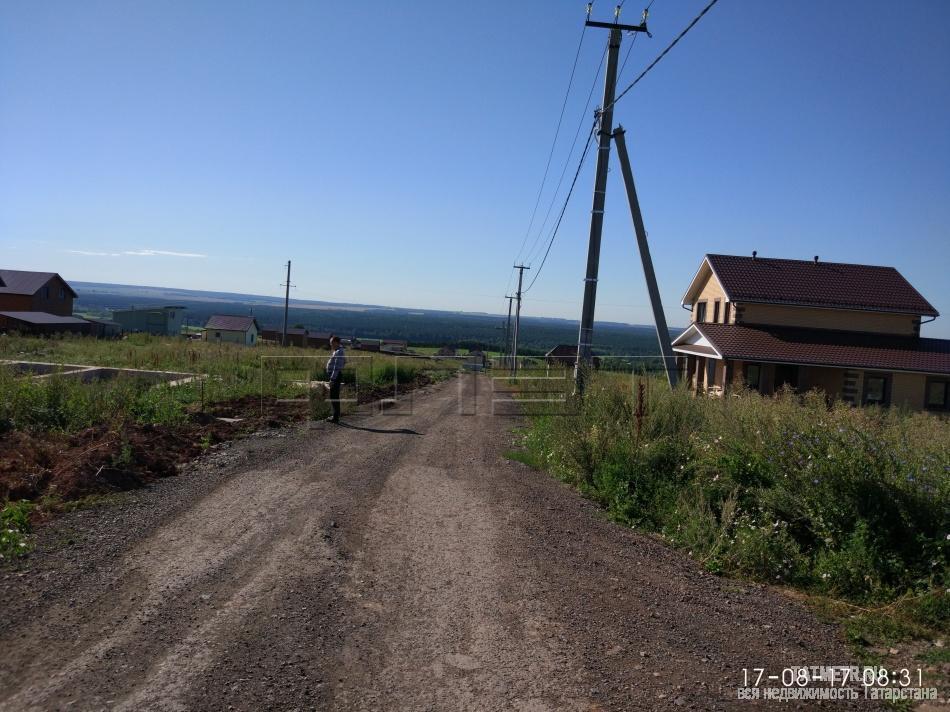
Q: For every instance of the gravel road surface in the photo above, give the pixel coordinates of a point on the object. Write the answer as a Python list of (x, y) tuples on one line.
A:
[(399, 562)]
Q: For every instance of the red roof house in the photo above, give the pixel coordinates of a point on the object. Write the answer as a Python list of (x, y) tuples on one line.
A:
[(850, 330)]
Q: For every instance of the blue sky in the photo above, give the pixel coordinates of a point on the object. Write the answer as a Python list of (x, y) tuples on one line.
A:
[(393, 151)]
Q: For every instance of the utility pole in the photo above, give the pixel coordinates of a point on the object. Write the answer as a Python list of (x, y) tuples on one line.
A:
[(283, 340), (508, 330), (514, 353), (659, 318), (585, 336)]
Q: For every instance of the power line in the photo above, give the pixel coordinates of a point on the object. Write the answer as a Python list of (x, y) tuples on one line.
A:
[(567, 199), (557, 132), (663, 53), (570, 153), (646, 13)]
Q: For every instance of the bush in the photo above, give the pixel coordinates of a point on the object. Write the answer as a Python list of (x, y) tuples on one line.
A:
[(853, 503)]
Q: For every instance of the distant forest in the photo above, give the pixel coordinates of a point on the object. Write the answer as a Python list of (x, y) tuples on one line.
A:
[(418, 327)]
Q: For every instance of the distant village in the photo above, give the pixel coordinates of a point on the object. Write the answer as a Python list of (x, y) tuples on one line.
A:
[(764, 324), (41, 304)]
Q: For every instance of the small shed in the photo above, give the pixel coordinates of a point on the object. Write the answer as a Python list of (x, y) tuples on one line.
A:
[(232, 329), (561, 355), (104, 328)]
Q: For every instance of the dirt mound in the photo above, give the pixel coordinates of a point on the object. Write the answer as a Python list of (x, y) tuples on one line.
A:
[(108, 458)]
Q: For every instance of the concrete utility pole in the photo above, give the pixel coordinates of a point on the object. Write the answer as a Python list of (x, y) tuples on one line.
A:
[(508, 329), (585, 336), (514, 353), (283, 340), (659, 318)]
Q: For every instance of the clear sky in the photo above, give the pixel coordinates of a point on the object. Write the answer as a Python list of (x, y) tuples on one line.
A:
[(393, 150)]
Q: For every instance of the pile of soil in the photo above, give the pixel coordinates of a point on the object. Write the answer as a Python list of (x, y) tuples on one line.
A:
[(109, 458)]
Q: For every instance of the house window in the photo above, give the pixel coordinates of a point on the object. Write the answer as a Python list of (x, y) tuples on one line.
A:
[(46, 292), (877, 389), (728, 313), (716, 305), (217, 334), (62, 294), (753, 375), (937, 395), (701, 312)]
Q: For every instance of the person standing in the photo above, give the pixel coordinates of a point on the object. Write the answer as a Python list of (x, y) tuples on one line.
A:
[(335, 375)]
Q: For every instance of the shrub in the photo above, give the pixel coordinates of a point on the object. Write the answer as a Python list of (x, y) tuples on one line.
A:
[(853, 503)]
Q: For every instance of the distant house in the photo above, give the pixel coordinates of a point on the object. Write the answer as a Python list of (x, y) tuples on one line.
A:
[(42, 323), (295, 337), (396, 346), (850, 330), (104, 328), (45, 292), (562, 355), (232, 329), (566, 355), (160, 321), (318, 339), (446, 351), (366, 344)]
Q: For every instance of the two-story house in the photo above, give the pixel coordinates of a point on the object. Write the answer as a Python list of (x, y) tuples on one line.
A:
[(850, 330), (46, 292), (37, 303)]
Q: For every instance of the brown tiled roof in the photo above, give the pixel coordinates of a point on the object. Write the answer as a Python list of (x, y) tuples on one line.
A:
[(226, 322), (821, 284), (15, 281), (824, 347)]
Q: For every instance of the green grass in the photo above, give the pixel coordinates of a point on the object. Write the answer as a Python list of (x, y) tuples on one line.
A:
[(14, 530), (937, 656), (232, 372), (852, 505)]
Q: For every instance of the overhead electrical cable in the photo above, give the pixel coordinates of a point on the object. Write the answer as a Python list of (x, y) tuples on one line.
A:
[(567, 199), (662, 54), (567, 161), (557, 132)]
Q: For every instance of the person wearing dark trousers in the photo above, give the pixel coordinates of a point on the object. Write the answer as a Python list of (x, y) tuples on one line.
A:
[(335, 375)]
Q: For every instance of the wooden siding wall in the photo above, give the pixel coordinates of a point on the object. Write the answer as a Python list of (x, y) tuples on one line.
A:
[(907, 389), (710, 292), (16, 302), (875, 322)]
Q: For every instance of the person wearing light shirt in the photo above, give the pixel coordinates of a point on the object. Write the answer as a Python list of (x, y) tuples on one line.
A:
[(335, 375)]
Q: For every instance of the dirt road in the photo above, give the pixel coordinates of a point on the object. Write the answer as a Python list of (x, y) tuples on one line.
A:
[(398, 563)]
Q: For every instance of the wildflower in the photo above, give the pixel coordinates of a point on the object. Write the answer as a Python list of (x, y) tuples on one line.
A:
[(824, 576)]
